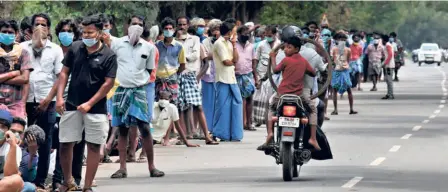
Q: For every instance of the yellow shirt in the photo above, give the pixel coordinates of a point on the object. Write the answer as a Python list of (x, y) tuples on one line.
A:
[(222, 50)]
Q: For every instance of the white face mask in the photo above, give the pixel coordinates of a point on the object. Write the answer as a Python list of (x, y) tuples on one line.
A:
[(163, 103), (376, 41), (134, 33)]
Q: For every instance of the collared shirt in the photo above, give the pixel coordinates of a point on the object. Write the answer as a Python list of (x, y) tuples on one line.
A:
[(162, 119), (192, 48), (245, 57), (11, 94), (389, 56), (89, 72), (262, 55), (171, 56), (46, 68), (210, 74), (222, 51), (133, 61), (375, 53)]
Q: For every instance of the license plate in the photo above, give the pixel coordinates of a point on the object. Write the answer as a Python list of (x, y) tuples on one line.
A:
[(289, 122)]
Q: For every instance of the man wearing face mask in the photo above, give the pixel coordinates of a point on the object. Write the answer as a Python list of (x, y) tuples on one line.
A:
[(94, 67), (375, 53), (46, 60), (15, 68), (244, 74), (133, 76), (264, 90), (107, 27)]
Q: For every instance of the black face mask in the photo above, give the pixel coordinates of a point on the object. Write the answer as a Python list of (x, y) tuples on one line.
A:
[(243, 38)]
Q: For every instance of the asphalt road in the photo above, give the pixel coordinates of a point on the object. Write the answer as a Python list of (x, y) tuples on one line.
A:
[(393, 145)]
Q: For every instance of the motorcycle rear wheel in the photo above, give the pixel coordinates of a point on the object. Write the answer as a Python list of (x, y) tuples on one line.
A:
[(287, 161)]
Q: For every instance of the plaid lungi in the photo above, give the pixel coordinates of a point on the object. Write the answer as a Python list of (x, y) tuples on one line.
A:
[(169, 84), (129, 104), (189, 92), (261, 102)]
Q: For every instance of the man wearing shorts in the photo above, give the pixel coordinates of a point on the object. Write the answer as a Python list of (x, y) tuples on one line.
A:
[(93, 67)]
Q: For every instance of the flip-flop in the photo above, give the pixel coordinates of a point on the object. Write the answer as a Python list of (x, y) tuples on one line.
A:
[(211, 142), (120, 174), (142, 160), (156, 173), (250, 128), (334, 113)]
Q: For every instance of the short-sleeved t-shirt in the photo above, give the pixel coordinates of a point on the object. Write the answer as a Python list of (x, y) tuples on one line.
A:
[(293, 74), (88, 73)]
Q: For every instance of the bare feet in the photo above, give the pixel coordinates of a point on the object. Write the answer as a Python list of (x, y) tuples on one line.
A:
[(314, 144)]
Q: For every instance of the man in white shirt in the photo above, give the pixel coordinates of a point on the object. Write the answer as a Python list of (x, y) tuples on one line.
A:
[(189, 92), (165, 115), (46, 60)]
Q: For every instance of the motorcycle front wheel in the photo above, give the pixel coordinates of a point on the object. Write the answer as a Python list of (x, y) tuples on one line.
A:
[(287, 161)]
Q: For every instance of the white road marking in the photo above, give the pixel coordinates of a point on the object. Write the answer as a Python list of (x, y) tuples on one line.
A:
[(441, 106), (416, 128), (443, 101), (352, 182), (395, 148), (444, 89), (425, 121), (378, 161), (437, 111), (407, 136), (432, 116), (445, 94)]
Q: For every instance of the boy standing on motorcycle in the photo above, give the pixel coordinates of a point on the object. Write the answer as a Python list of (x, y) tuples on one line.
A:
[(293, 68)]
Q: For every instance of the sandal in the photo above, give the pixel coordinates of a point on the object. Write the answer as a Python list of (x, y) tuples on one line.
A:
[(334, 113), (156, 173), (87, 189), (211, 142), (142, 159), (250, 128), (120, 174), (70, 187), (353, 112)]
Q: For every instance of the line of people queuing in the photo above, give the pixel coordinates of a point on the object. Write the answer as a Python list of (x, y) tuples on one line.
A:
[(94, 86)]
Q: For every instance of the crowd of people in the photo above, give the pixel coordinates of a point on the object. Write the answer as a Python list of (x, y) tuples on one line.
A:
[(86, 89)]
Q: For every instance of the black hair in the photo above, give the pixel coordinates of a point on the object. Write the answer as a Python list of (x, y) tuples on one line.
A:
[(191, 30), (311, 23), (5, 122), (168, 21), (72, 25), (356, 35), (146, 33), (385, 38), (305, 30), (271, 28), (294, 41), (183, 17), (225, 28), (104, 18), (20, 121), (353, 31), (242, 29), (93, 20), (393, 34), (43, 15), (9, 23), (230, 20), (25, 24), (78, 20), (141, 18)]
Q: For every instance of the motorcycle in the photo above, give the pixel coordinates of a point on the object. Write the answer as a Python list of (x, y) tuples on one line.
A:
[(291, 121), (289, 148)]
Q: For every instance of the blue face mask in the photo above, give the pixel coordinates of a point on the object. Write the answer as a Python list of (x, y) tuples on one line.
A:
[(89, 42), (107, 31), (66, 38), (2, 135), (168, 33), (7, 39), (391, 39), (269, 39), (305, 36), (257, 39), (200, 31)]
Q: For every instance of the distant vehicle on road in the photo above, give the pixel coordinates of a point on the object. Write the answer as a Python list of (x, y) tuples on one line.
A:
[(415, 55), (429, 53)]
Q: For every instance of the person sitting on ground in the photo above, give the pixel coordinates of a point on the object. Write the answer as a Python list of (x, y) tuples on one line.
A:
[(10, 157), (33, 137), (165, 115), (293, 68)]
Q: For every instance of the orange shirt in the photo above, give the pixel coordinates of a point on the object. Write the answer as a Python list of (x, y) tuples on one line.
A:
[(355, 52), (152, 77)]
